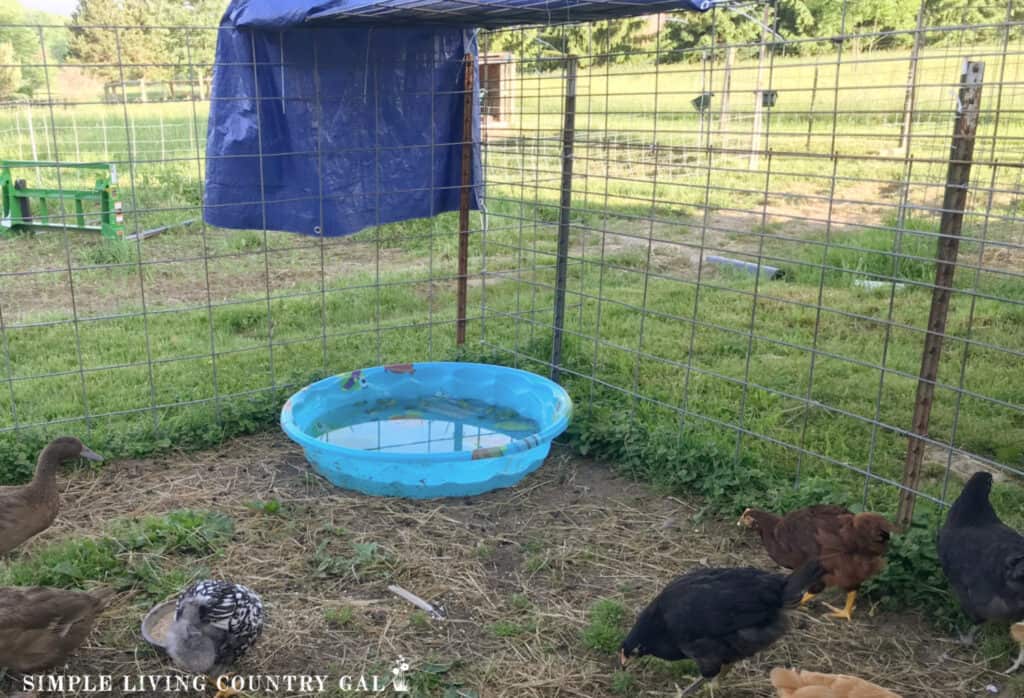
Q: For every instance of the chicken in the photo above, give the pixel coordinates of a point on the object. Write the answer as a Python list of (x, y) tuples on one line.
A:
[(717, 617), (851, 547), (790, 683), (984, 561), (215, 623)]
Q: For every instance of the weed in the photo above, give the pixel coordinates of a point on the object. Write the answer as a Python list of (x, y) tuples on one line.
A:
[(271, 507), (623, 683), (339, 616), (913, 577), (419, 620), (605, 628), (70, 564), (363, 559), (113, 252), (179, 531), (520, 602), (508, 628)]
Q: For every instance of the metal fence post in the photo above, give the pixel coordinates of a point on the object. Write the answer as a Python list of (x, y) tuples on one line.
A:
[(953, 203), (467, 181), (565, 208), (911, 95)]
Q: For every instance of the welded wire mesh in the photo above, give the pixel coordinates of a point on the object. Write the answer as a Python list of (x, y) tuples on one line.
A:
[(821, 163)]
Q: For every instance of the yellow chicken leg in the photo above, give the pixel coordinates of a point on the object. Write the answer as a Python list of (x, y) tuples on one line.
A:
[(846, 613), (807, 598)]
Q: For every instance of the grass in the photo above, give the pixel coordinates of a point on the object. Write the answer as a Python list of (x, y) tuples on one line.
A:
[(606, 627), (157, 556)]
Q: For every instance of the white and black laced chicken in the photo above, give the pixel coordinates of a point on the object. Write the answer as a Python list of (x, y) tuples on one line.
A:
[(215, 623)]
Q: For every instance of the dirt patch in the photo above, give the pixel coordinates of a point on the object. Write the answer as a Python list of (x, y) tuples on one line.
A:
[(517, 571)]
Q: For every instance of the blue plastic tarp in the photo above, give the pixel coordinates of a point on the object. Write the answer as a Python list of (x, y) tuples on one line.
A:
[(488, 14), (327, 130)]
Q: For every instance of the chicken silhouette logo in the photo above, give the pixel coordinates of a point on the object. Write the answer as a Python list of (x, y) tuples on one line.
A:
[(400, 683)]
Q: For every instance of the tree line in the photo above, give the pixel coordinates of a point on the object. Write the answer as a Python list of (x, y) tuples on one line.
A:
[(153, 41), (802, 27)]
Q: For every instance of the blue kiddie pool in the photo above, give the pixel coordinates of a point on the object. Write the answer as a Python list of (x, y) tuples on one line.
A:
[(428, 429)]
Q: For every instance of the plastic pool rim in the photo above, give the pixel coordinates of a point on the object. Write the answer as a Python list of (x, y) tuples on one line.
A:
[(539, 441)]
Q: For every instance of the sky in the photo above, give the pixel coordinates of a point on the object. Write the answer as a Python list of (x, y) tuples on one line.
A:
[(60, 7)]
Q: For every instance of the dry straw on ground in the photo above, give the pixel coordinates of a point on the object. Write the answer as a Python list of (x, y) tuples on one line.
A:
[(516, 570)]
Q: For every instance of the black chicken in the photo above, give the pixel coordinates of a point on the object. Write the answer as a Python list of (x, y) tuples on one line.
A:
[(717, 616), (984, 561)]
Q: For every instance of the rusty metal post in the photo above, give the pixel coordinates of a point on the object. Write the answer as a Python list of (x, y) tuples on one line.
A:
[(467, 184), (565, 208), (953, 202)]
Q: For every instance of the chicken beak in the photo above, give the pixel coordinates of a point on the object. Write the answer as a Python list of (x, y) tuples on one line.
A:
[(623, 659)]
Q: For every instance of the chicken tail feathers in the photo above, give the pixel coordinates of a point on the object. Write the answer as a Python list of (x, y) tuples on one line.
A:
[(800, 580)]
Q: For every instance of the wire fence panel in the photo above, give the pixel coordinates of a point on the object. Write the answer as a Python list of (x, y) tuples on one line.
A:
[(752, 226)]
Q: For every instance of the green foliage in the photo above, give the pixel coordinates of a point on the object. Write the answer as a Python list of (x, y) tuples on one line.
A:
[(601, 43), (334, 558), (678, 460), (339, 617), (155, 41), (179, 531), (70, 564), (10, 71), (271, 507), (606, 626), (623, 683), (114, 252), (913, 577), (509, 628), (148, 555), (24, 51)]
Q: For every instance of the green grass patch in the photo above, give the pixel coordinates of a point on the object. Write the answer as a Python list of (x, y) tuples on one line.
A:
[(607, 624)]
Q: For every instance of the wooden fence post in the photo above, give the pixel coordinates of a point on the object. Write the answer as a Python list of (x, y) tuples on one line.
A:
[(953, 202)]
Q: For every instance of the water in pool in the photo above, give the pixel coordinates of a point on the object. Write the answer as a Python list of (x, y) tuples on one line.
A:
[(425, 425)]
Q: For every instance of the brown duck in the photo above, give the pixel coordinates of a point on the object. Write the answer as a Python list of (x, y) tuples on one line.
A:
[(40, 627), (28, 509)]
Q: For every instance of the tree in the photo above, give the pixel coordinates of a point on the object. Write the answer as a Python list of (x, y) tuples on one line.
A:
[(596, 43), (10, 72), (24, 42), (155, 41)]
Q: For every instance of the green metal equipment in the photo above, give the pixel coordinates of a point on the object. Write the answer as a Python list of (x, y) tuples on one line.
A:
[(16, 200)]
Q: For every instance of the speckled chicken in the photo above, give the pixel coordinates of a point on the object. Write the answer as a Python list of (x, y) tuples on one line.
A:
[(41, 627), (983, 559), (717, 617), (26, 510), (792, 683), (215, 623)]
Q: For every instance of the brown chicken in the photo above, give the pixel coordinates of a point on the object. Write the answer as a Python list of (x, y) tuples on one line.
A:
[(851, 547), (792, 683)]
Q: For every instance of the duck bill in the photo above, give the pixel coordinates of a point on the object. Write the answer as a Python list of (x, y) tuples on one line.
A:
[(623, 659), (89, 454)]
